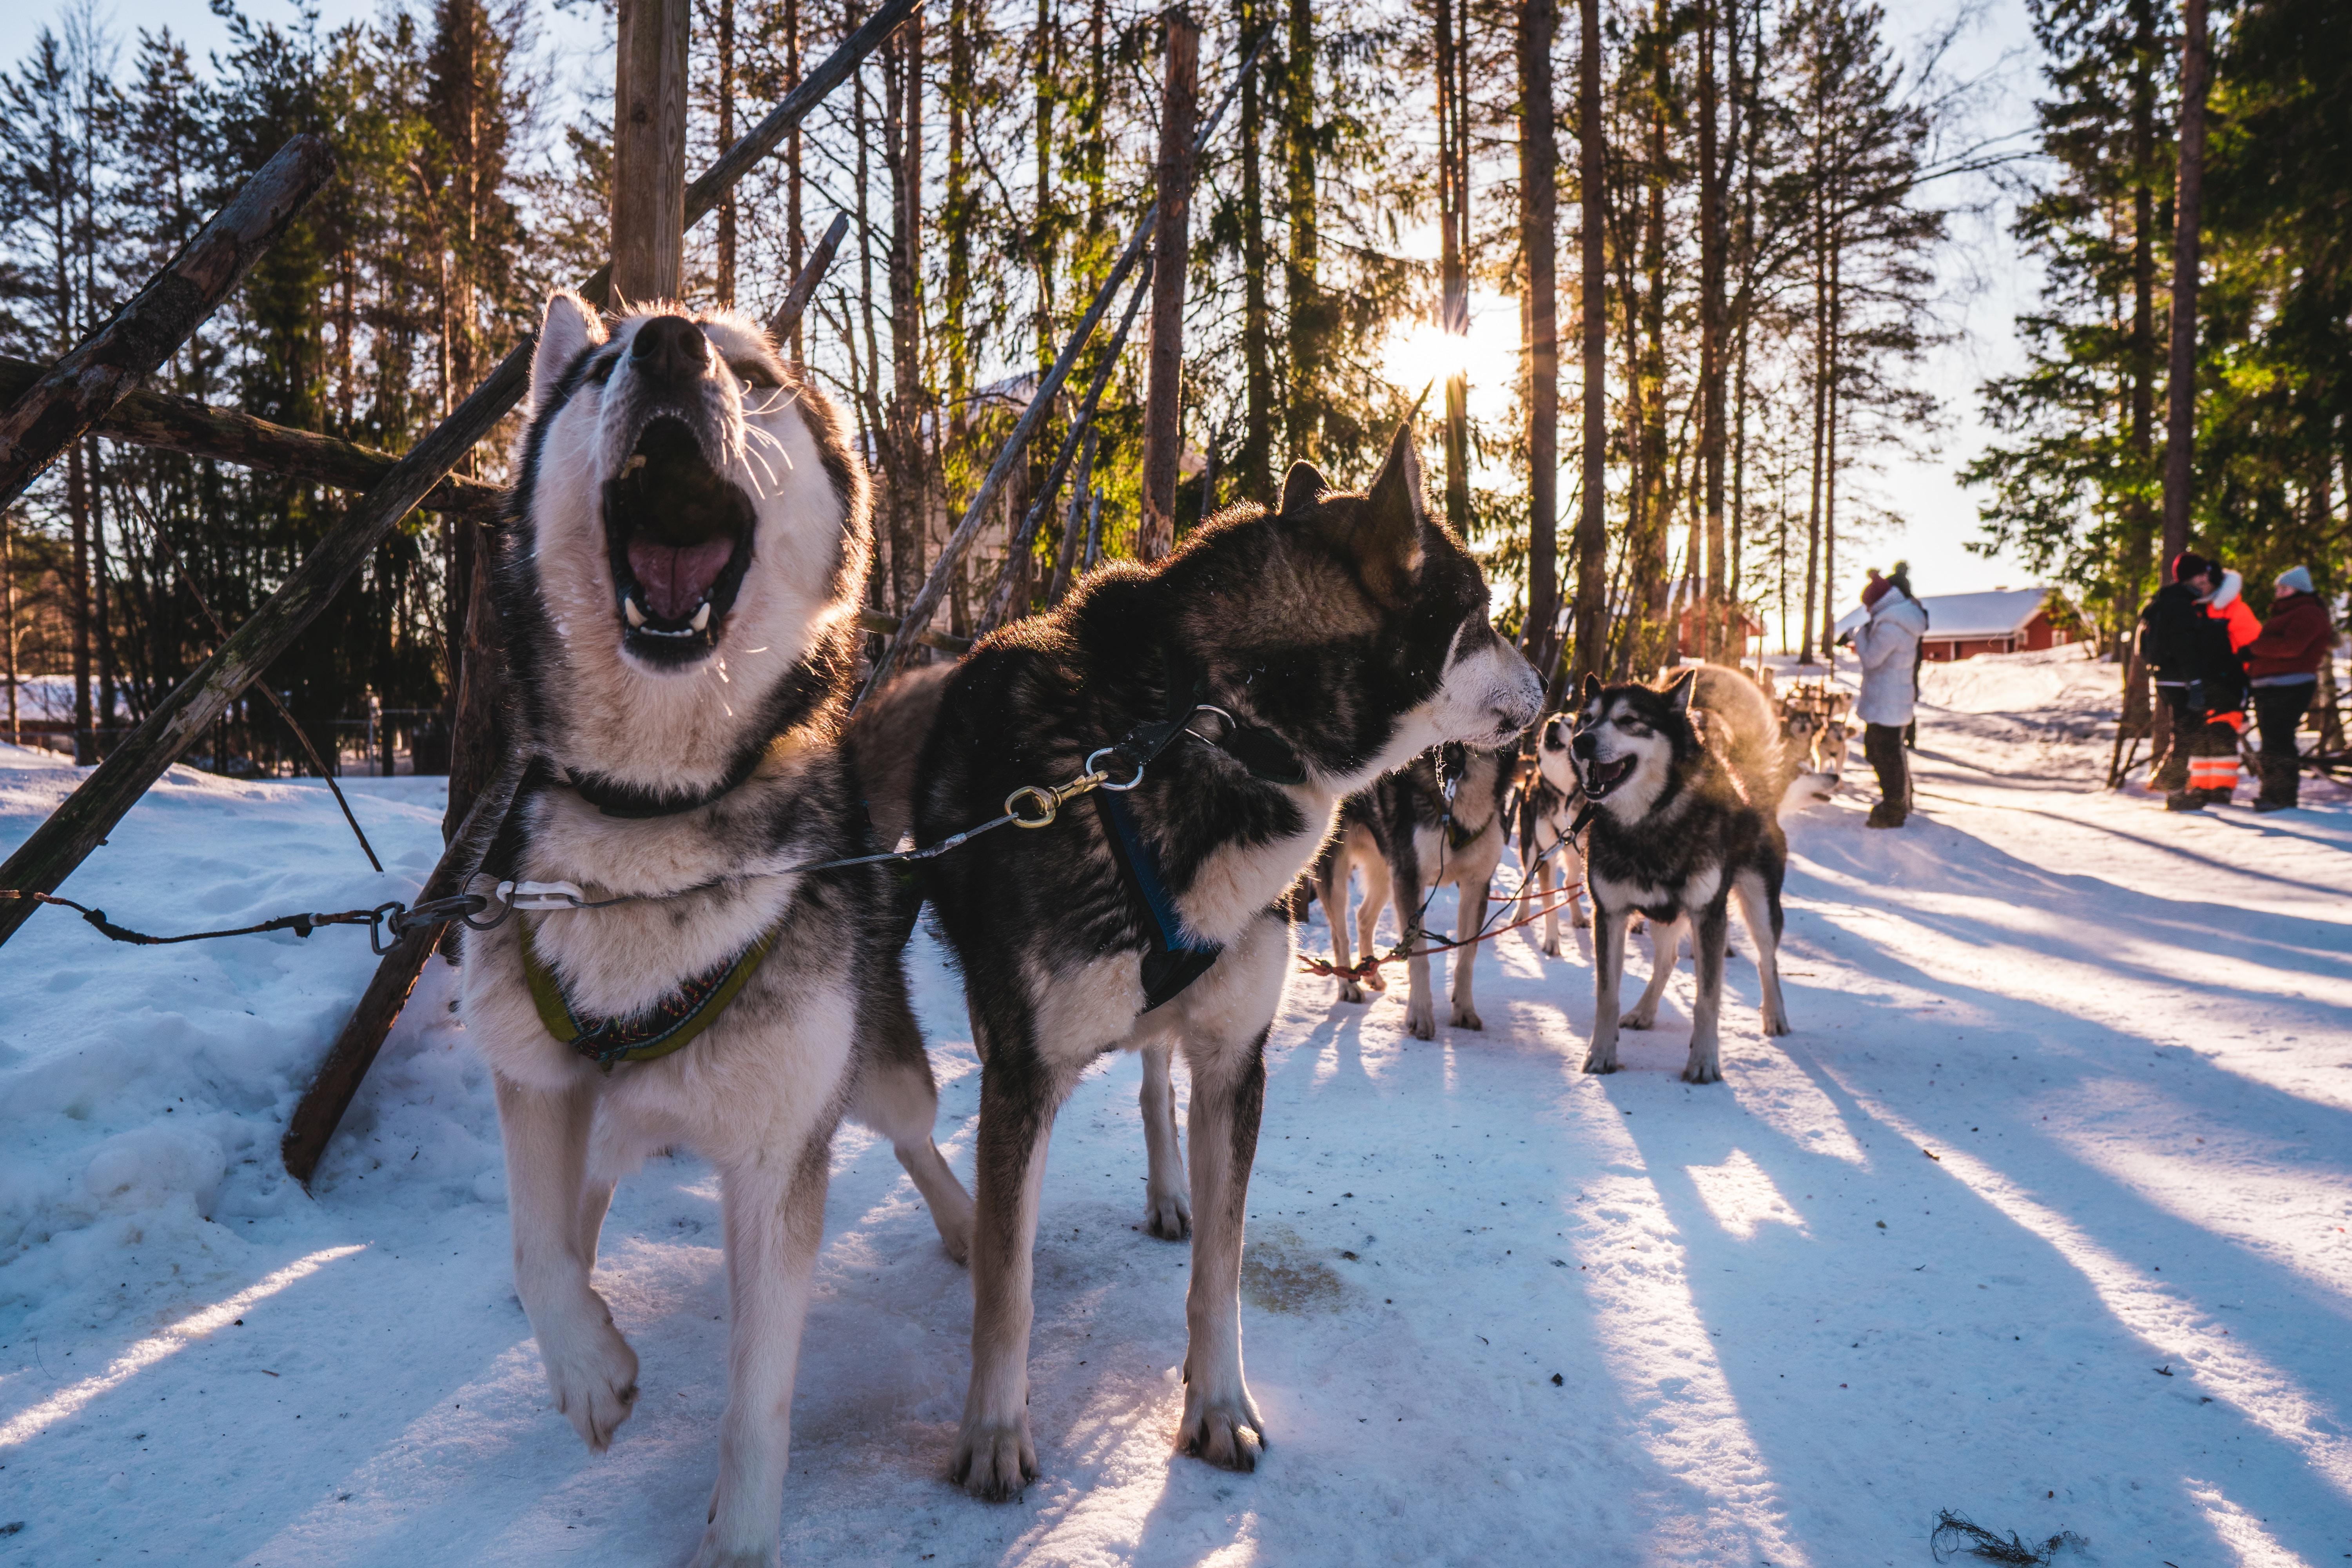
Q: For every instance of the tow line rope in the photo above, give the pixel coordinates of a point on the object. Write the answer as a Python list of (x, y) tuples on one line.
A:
[(1030, 806)]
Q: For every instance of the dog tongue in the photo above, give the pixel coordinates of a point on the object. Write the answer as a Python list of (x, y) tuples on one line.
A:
[(675, 577)]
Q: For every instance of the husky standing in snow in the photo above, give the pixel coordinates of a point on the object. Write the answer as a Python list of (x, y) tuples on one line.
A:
[(1547, 810), (679, 589), (1675, 834), (1410, 834), (1305, 652)]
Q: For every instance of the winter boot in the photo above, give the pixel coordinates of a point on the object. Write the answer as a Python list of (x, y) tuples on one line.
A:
[(2185, 800), (1886, 814), (2282, 782), (2171, 775)]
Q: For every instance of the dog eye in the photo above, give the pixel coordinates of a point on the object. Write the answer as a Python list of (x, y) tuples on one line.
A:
[(600, 369), (751, 372)]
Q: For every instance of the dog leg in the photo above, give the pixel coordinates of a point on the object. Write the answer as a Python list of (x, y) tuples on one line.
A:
[(595, 1201), (1421, 1001), (591, 1370), (1755, 909), (897, 1097), (1167, 1206), (1551, 914), (1572, 869), (995, 1458), (774, 1213), (1665, 952), (1469, 918), (1332, 889), (1710, 932), (1368, 917), (1221, 1421), (1608, 974)]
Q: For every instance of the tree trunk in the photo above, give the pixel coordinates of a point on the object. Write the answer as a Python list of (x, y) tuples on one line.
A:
[(1303, 324), (1254, 464), (649, 150), (1539, 239), (1592, 630), (902, 137), (2180, 424), (726, 29), (1453, 274), (1708, 604), (795, 233), (1163, 417), (78, 605), (1654, 582)]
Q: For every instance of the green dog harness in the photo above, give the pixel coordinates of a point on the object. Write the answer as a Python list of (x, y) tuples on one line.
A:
[(668, 1025)]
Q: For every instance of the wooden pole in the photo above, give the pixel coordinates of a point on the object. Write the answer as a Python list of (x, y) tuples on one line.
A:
[(329, 1095), (1710, 603), (75, 392), (1592, 629), (2180, 411), (58, 844), (1163, 435), (181, 425), (787, 319), (649, 150)]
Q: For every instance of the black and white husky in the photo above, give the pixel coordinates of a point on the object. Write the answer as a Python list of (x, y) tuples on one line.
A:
[(1412, 833), (1675, 835), (1548, 805), (1313, 648), (679, 587)]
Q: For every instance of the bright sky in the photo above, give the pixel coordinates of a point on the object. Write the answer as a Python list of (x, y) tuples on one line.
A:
[(1987, 282)]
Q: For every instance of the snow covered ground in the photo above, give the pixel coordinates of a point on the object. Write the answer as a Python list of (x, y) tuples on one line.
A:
[(2041, 1216)]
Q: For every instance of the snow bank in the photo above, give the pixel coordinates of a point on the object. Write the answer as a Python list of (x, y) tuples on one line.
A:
[(2039, 1215)]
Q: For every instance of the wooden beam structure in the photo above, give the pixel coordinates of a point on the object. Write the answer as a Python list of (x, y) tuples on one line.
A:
[(1163, 430), (75, 393), (59, 843), (170, 424), (649, 217)]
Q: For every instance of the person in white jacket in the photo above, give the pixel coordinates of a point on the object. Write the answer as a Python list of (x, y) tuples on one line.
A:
[(1888, 646)]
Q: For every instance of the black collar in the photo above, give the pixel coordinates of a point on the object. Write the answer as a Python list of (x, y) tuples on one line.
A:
[(616, 799)]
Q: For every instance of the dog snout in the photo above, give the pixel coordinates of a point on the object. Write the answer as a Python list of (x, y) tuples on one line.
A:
[(1586, 748), (670, 350)]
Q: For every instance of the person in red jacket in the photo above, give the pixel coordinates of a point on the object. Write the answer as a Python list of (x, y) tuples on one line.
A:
[(2283, 667)]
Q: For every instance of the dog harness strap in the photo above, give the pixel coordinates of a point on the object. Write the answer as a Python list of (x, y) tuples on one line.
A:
[(668, 1025), (1177, 957), (1266, 755)]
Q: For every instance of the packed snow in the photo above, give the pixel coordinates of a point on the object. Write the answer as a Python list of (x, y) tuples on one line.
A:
[(2039, 1216)]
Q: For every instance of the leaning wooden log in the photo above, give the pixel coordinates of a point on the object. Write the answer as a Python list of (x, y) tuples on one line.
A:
[(58, 844), (100, 370), (803, 288), (918, 618), (329, 1095), (170, 424), (876, 621)]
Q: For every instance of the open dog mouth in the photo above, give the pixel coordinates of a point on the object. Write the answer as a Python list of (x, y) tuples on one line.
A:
[(1601, 777), (679, 536)]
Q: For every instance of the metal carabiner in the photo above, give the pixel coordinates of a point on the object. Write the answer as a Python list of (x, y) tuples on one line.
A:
[(1102, 780), (1048, 803)]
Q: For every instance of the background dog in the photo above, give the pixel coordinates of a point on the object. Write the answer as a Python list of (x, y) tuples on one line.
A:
[(1412, 833), (678, 591), (1672, 836), (1338, 637), (1548, 809)]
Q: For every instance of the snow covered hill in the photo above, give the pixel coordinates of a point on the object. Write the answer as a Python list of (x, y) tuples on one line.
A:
[(2041, 1216)]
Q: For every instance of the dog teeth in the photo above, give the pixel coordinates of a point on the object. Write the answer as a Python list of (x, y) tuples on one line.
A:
[(629, 608), (636, 460), (702, 617)]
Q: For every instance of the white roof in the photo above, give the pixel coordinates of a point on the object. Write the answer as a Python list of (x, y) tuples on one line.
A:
[(2001, 613)]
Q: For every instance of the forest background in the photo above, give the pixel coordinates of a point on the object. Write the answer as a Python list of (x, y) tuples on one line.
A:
[(1943, 247)]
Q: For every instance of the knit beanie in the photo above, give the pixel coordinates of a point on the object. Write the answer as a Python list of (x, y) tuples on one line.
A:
[(1875, 590), (2189, 564), (2298, 578)]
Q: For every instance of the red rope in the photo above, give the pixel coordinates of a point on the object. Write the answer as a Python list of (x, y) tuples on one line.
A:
[(1370, 967)]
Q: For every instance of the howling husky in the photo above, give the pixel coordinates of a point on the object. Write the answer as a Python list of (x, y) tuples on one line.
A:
[(679, 590), (1307, 651)]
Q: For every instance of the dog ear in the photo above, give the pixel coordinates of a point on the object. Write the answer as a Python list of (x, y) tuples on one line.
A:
[(1388, 540), (1302, 488), (569, 326), (1678, 692), (1592, 689)]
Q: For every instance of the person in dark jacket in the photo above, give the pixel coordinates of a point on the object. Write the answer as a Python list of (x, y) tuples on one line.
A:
[(2283, 667), (2189, 634)]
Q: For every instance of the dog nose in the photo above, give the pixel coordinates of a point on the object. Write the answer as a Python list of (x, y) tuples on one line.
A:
[(1551, 741), (669, 350), (1585, 747)]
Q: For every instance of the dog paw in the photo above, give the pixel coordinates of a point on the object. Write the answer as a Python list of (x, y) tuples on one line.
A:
[(1167, 1216), (1639, 1018), (1702, 1069), (1583, 920), (592, 1374), (1467, 1018), (1420, 1020), (1351, 991), (1598, 1060), (1228, 1434), (1777, 1023), (1373, 982), (1552, 947), (995, 1461)]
